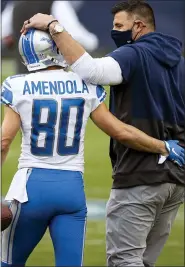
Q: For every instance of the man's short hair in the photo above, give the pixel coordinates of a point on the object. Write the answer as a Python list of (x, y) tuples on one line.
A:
[(136, 7)]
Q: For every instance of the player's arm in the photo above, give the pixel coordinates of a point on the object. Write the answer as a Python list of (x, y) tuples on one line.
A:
[(134, 138), (129, 135), (124, 133), (104, 71), (10, 126)]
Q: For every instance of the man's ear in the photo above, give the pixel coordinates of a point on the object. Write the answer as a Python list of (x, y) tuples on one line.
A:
[(139, 25)]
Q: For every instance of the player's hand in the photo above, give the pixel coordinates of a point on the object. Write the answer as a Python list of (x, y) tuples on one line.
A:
[(176, 152), (39, 21)]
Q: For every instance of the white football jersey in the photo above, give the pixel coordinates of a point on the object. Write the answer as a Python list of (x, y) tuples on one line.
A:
[(54, 107)]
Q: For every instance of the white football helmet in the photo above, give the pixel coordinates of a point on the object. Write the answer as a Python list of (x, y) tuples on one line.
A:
[(39, 51)]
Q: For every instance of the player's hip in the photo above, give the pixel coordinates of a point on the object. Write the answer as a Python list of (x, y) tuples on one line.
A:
[(61, 190)]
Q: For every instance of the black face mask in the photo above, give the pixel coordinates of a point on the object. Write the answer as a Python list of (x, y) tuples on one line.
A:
[(122, 37)]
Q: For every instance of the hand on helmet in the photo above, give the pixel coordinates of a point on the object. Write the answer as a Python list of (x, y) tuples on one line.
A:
[(39, 21)]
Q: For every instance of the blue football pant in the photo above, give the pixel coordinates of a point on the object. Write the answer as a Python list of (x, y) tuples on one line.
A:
[(56, 200)]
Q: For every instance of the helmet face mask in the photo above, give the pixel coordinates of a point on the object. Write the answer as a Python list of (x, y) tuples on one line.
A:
[(39, 51)]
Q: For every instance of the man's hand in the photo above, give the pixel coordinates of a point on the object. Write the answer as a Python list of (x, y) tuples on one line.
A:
[(69, 48), (39, 21), (176, 152)]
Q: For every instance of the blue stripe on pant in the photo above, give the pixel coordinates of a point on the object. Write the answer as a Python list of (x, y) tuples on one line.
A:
[(56, 200)]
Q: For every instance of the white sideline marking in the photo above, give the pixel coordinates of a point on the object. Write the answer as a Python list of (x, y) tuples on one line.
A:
[(94, 242), (174, 244)]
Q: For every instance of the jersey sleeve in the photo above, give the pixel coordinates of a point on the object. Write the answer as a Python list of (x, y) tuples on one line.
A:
[(7, 97), (127, 59), (99, 96)]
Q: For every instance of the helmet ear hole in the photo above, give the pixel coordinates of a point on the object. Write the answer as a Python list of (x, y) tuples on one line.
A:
[(58, 52)]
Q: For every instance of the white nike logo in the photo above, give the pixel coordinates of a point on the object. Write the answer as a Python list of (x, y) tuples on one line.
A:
[(173, 150)]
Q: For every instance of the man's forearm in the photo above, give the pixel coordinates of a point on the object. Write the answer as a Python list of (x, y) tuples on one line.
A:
[(140, 141), (70, 49), (104, 71)]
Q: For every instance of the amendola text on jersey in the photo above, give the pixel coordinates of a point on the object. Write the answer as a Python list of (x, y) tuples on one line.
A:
[(54, 107)]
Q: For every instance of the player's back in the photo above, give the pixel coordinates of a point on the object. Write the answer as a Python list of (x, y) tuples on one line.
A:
[(54, 107)]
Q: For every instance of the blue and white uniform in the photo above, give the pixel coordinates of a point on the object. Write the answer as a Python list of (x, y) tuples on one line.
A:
[(47, 190)]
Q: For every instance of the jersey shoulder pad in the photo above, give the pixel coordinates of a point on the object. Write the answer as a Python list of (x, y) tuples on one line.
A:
[(100, 93), (6, 92), (11, 88)]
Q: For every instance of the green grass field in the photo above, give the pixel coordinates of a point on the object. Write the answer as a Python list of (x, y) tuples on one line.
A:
[(97, 185)]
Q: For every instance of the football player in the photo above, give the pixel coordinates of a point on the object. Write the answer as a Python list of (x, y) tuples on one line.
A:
[(52, 107)]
